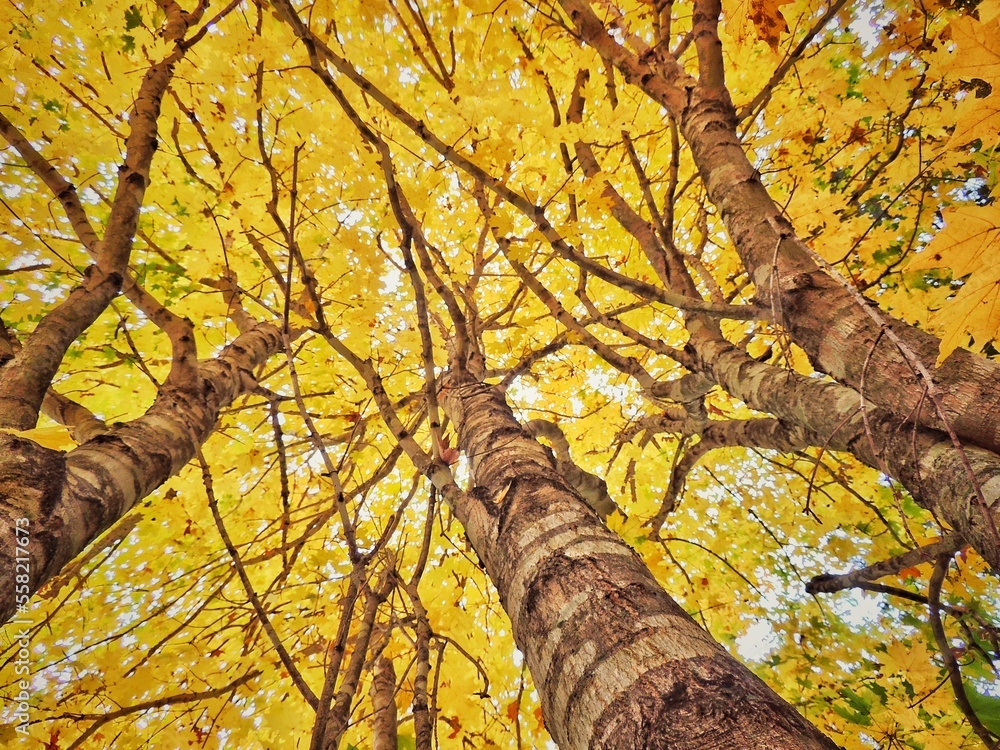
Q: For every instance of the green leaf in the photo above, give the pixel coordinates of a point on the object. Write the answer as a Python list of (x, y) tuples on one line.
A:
[(133, 18), (987, 708), (858, 702)]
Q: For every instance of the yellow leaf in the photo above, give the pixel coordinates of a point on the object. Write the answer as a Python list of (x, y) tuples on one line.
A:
[(977, 119), (976, 312), (978, 46), (55, 438), (968, 246)]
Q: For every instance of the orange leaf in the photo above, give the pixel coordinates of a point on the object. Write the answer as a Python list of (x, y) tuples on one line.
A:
[(763, 15), (513, 708)]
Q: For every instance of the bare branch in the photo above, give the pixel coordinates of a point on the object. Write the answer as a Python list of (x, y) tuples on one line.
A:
[(944, 648), (825, 584)]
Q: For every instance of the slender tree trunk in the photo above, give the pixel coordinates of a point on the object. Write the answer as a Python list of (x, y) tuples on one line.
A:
[(65, 500), (383, 691), (617, 662), (423, 730), (25, 378), (337, 718)]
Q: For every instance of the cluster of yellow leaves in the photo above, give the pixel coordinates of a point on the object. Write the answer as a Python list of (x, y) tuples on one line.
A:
[(969, 244), (162, 613)]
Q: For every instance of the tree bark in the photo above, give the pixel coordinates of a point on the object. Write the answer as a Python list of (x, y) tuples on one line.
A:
[(336, 719), (900, 430), (383, 692), (821, 315), (834, 416), (69, 499), (617, 662)]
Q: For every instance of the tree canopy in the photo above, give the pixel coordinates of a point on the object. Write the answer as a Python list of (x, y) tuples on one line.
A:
[(272, 270)]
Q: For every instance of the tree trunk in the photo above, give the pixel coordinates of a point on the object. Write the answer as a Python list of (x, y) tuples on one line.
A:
[(383, 693), (823, 317), (66, 500), (617, 662)]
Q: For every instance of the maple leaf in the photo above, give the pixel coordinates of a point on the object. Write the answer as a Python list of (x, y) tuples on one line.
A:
[(978, 120), (968, 247), (761, 18), (513, 708), (979, 45)]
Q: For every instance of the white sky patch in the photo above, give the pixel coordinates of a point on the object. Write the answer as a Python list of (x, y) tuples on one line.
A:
[(859, 610), (758, 642), (865, 27), (392, 280), (522, 394)]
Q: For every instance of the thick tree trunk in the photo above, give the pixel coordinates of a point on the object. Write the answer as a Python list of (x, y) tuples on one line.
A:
[(820, 314), (65, 500), (617, 662), (817, 412)]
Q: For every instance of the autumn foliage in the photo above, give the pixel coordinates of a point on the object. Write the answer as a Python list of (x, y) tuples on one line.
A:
[(736, 268)]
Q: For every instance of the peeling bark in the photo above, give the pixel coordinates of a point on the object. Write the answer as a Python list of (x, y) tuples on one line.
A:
[(617, 662)]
